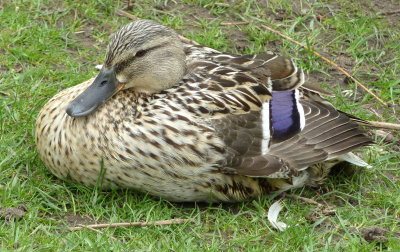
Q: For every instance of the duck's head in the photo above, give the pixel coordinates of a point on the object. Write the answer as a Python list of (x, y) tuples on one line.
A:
[(143, 56)]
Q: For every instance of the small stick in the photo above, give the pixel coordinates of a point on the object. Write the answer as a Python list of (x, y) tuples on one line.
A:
[(376, 113), (326, 209), (387, 13), (382, 125), (235, 23), (328, 61), (126, 14), (129, 5), (188, 41), (98, 231), (131, 224), (307, 200), (222, 4)]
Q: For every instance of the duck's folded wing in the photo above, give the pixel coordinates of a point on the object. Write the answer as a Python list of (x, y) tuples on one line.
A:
[(282, 71), (327, 134)]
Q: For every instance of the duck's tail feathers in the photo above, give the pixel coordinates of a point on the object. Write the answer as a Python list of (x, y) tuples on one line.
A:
[(354, 159)]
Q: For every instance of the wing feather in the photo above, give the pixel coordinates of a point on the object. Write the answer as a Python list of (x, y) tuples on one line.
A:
[(320, 140)]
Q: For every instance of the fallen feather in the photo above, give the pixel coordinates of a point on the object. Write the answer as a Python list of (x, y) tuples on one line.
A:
[(273, 213)]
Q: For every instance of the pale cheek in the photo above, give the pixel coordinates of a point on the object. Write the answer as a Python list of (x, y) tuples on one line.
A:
[(122, 78)]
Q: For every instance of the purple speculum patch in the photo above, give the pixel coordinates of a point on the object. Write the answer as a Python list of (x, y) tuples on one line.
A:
[(284, 114)]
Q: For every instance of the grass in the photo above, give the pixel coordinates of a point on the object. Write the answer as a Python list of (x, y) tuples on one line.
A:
[(46, 46)]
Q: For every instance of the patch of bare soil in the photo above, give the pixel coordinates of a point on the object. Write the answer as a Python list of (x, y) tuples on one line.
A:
[(192, 13), (239, 40), (85, 37), (374, 234), (74, 220), (3, 69), (385, 9), (8, 213)]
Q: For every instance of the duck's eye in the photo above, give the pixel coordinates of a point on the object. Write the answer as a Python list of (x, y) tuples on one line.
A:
[(141, 53)]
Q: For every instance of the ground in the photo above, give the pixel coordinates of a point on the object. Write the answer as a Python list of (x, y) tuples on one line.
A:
[(48, 45)]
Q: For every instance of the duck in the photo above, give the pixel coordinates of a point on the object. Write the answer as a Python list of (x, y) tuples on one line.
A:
[(185, 122)]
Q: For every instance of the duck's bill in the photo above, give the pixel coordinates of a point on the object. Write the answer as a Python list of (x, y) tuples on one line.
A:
[(103, 87)]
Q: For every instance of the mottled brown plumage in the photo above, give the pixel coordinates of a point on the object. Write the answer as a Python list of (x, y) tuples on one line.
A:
[(188, 123)]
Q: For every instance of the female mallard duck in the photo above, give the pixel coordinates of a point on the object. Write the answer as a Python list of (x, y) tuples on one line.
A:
[(189, 123)]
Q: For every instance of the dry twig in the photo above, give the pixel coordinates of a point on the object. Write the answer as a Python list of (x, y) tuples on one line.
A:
[(234, 23), (376, 113), (98, 231), (222, 4), (387, 13), (131, 224), (129, 5), (126, 14), (328, 61), (307, 200), (326, 209), (188, 41), (382, 125)]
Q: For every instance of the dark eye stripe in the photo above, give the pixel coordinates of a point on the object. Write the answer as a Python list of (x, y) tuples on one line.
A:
[(120, 66)]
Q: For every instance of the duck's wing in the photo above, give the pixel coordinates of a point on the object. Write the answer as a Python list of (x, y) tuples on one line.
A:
[(266, 84), (276, 66), (281, 71), (272, 125), (288, 127), (327, 134)]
